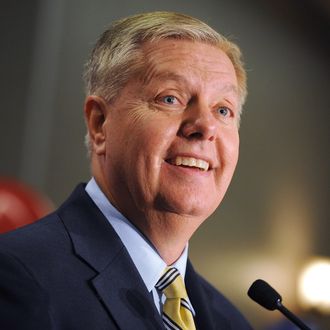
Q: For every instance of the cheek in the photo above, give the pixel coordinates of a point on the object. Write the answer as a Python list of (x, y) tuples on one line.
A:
[(228, 151), (153, 130), (234, 152), (229, 146), (148, 139)]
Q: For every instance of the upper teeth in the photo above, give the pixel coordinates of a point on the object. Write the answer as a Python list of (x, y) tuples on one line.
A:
[(192, 162)]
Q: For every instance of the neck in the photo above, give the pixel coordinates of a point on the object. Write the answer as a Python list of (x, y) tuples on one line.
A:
[(168, 232)]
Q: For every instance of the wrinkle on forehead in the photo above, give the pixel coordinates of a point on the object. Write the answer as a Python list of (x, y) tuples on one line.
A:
[(159, 65), (198, 67), (152, 73), (164, 60)]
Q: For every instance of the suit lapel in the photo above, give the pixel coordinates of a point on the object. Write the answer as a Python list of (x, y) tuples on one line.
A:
[(125, 295), (118, 283), (202, 305)]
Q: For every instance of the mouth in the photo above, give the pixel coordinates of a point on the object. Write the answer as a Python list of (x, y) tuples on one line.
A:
[(191, 162)]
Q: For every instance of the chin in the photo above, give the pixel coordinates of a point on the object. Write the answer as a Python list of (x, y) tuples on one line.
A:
[(187, 207)]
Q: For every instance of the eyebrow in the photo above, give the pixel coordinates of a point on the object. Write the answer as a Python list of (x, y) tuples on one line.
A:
[(163, 76)]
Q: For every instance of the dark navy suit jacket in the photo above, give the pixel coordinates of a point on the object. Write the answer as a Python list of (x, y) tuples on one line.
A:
[(71, 271)]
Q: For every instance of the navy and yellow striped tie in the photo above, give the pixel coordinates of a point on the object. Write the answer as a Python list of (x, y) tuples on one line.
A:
[(177, 314)]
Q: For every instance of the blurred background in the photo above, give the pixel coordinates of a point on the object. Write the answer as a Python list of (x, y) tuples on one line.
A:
[(275, 218)]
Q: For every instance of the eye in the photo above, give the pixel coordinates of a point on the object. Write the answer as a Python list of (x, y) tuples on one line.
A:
[(224, 111), (169, 99)]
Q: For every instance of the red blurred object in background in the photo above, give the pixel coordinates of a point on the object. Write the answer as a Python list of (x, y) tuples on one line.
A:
[(20, 205)]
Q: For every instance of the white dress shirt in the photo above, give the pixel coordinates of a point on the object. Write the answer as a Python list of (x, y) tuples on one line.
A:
[(145, 257)]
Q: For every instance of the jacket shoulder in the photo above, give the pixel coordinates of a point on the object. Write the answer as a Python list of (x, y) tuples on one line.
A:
[(37, 233), (42, 234)]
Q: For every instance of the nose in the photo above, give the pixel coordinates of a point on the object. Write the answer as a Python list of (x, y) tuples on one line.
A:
[(199, 123)]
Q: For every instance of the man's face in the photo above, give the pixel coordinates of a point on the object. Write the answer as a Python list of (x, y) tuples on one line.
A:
[(172, 133)]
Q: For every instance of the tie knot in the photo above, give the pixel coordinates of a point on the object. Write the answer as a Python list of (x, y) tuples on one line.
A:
[(171, 284)]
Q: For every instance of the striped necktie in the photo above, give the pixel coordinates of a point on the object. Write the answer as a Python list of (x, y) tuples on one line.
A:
[(177, 314)]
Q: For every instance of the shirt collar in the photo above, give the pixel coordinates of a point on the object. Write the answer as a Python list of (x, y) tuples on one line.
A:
[(145, 257)]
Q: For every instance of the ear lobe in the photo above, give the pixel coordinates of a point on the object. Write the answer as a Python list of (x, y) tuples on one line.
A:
[(95, 116)]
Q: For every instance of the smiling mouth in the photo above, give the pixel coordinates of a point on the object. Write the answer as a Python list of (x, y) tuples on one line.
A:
[(189, 162)]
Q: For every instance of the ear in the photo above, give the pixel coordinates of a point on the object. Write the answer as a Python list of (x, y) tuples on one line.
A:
[(95, 115)]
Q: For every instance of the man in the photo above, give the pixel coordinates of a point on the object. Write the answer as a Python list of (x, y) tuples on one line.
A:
[(164, 97)]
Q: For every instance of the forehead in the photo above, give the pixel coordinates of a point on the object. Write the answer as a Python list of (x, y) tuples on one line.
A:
[(179, 60)]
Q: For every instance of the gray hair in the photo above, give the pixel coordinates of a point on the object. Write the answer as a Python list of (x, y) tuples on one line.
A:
[(117, 55)]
